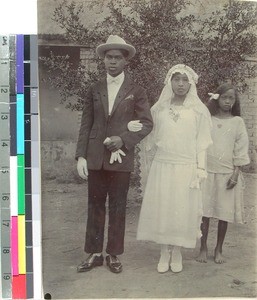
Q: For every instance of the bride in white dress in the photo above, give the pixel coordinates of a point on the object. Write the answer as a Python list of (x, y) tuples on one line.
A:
[(172, 205)]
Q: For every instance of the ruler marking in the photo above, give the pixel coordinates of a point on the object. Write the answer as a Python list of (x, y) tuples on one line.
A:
[(5, 256)]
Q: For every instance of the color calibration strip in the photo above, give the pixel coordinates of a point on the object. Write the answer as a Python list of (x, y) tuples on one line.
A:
[(24, 185), (5, 225)]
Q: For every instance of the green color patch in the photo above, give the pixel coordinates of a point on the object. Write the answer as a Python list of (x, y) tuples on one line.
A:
[(21, 184)]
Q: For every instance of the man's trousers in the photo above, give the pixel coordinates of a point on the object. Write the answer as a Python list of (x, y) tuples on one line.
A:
[(115, 185)]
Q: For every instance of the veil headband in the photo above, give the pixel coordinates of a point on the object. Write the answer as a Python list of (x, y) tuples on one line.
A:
[(167, 93), (182, 69)]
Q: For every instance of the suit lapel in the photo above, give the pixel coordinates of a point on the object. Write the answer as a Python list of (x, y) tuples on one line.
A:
[(126, 86), (104, 95)]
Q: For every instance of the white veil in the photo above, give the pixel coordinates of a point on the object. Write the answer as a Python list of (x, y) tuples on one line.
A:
[(191, 101)]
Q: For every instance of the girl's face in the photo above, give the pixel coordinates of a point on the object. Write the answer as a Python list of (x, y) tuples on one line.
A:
[(180, 84), (227, 100)]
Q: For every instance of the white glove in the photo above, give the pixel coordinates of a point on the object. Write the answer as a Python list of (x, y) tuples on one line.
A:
[(82, 168), (116, 156), (135, 126)]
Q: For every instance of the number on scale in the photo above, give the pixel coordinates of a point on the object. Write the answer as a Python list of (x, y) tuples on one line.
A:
[(4, 117), (4, 90), (6, 223), (4, 144), (6, 251), (4, 171), (6, 277), (5, 198)]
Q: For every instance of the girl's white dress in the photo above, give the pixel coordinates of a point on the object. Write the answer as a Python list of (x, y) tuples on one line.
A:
[(172, 205), (229, 149)]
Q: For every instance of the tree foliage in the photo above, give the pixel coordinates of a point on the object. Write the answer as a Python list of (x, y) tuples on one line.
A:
[(164, 34)]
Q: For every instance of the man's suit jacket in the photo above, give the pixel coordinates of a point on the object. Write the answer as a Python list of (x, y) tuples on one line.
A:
[(96, 124)]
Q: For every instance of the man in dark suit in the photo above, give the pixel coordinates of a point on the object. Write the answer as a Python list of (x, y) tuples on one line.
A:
[(116, 116)]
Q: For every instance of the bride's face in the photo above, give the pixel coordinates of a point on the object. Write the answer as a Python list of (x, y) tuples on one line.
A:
[(180, 84)]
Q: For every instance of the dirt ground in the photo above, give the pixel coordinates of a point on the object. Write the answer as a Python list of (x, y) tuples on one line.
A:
[(64, 217)]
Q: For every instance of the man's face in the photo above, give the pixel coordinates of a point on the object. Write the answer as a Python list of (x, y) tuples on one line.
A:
[(114, 62)]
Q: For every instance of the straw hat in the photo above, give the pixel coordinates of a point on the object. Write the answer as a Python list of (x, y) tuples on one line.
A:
[(115, 42)]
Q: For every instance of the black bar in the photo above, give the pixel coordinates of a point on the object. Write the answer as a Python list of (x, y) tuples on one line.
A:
[(26, 74), (28, 181), (28, 208), (27, 127), (29, 278), (28, 226), (26, 47), (27, 93)]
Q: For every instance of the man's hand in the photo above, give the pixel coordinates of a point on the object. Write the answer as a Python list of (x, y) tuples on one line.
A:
[(82, 168), (113, 143)]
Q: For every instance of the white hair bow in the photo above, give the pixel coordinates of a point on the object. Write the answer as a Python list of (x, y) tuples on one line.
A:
[(214, 96)]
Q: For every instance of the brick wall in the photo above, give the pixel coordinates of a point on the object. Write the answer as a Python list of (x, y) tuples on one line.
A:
[(249, 114), (86, 56)]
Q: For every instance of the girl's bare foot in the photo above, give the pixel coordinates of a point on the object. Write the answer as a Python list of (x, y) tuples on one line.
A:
[(218, 257), (202, 258)]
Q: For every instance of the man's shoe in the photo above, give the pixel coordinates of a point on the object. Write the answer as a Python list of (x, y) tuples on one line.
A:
[(113, 263), (91, 262)]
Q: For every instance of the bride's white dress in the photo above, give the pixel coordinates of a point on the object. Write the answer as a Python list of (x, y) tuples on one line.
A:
[(172, 205)]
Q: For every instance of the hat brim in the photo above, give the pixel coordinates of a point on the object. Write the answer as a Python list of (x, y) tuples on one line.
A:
[(101, 49)]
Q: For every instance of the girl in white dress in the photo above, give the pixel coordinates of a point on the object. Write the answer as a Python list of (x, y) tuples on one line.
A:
[(172, 206), (223, 189)]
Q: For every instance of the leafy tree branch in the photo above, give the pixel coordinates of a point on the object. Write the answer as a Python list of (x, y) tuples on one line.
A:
[(164, 33)]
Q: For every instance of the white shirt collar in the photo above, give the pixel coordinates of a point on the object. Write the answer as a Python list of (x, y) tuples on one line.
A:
[(118, 79)]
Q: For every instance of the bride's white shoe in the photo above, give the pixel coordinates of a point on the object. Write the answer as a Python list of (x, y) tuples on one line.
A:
[(163, 267), (164, 262), (176, 261)]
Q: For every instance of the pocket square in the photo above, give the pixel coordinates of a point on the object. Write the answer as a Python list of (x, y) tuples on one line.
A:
[(130, 97)]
